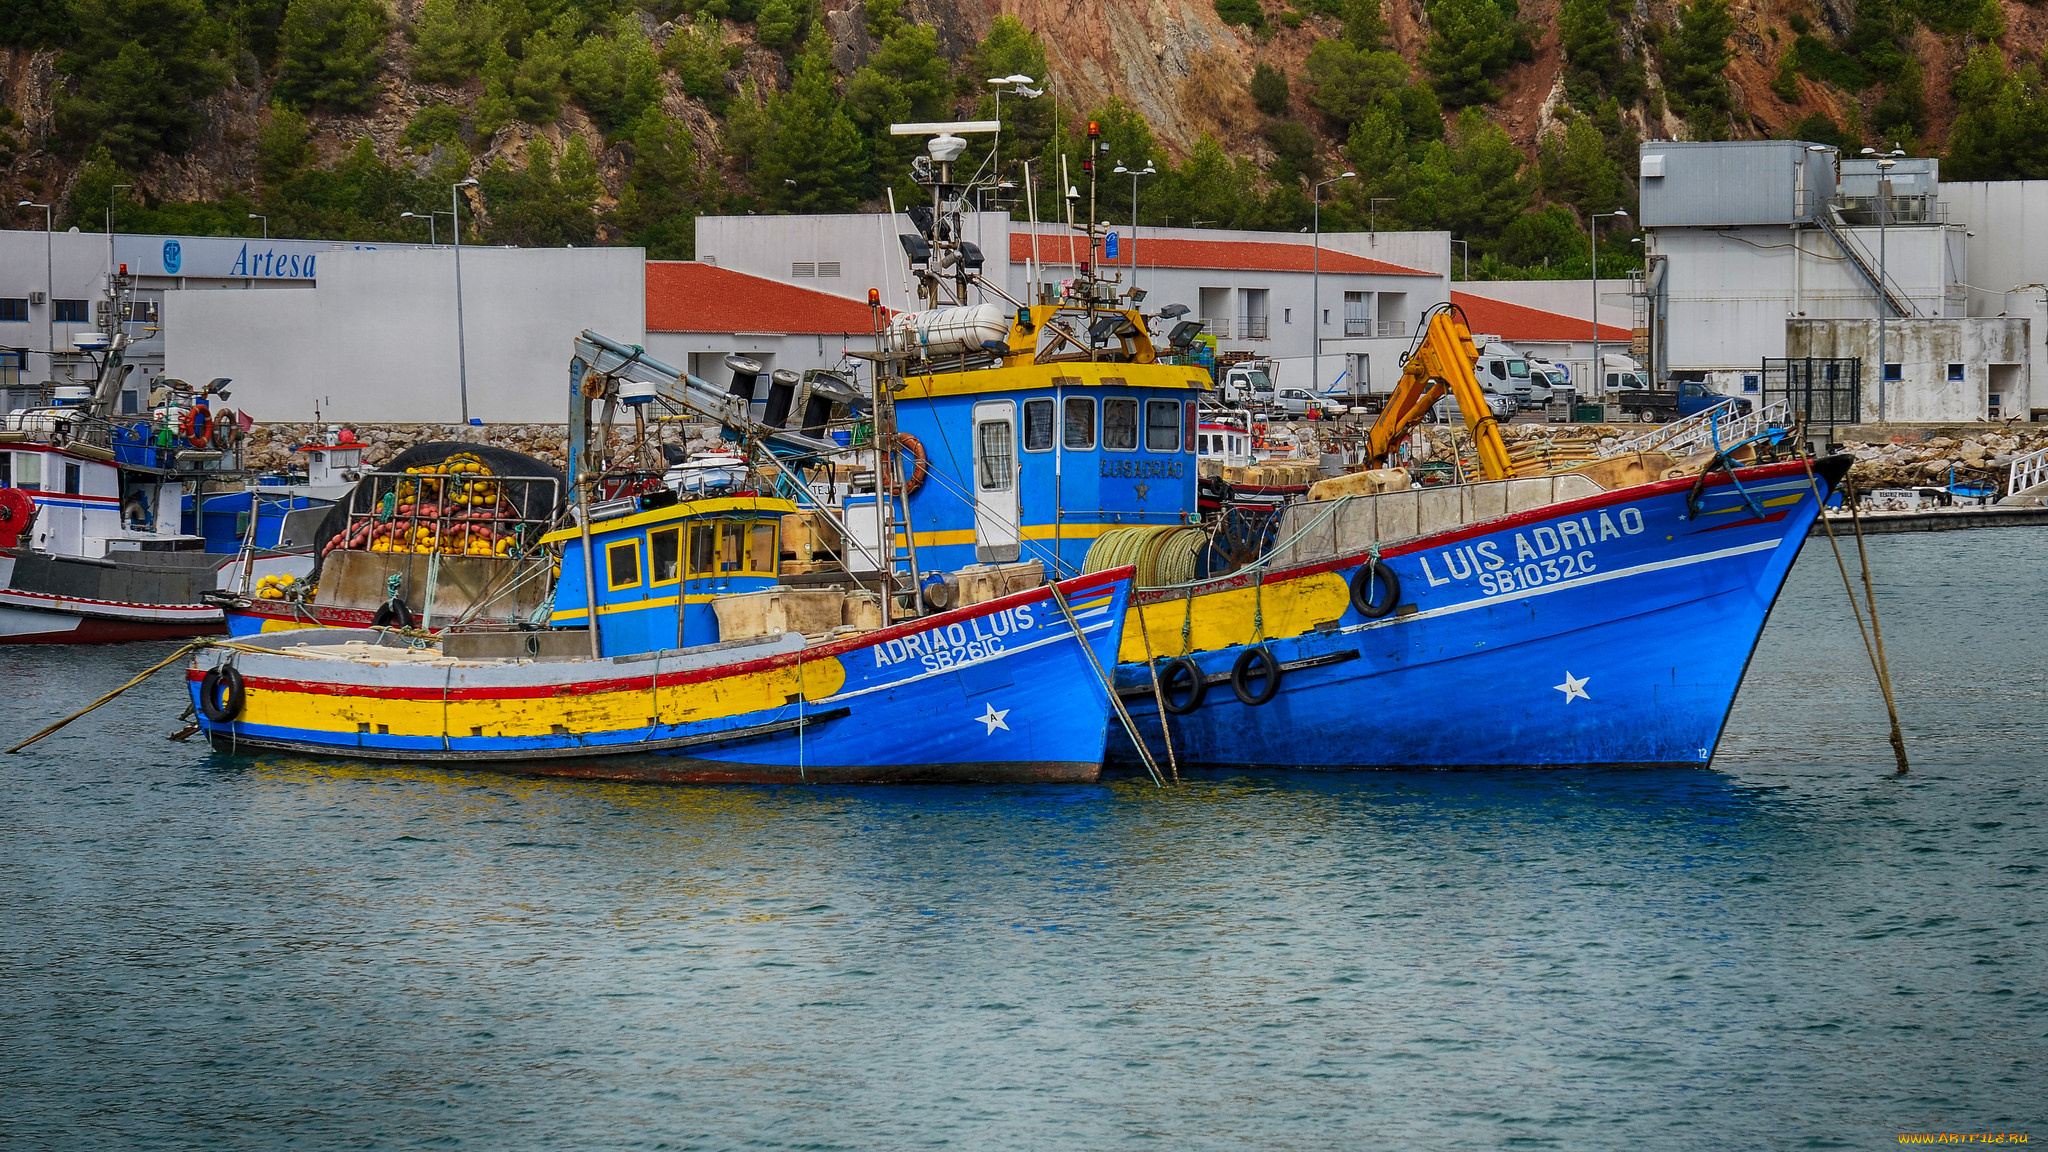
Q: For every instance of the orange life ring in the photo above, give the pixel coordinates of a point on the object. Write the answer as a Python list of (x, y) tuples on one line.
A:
[(197, 426), (17, 512), (920, 469)]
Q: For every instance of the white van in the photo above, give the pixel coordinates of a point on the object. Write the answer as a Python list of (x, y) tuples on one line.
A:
[(1505, 371)]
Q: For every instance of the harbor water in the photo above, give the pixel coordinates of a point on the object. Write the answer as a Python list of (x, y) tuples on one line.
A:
[(1792, 948)]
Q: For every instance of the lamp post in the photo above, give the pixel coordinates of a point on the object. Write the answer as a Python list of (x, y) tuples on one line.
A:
[(1886, 162), (1134, 173), (433, 240), (1593, 233), (461, 348), (49, 289), (1315, 286), (266, 223), (1468, 256)]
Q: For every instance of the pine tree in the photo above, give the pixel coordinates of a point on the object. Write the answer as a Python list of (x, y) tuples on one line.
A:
[(1269, 89), (616, 76), (810, 157), (1472, 43), (331, 53)]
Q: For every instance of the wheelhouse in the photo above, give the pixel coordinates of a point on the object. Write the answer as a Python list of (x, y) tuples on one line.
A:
[(658, 569)]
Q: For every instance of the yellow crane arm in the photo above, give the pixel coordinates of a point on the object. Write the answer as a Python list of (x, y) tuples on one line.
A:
[(1442, 363)]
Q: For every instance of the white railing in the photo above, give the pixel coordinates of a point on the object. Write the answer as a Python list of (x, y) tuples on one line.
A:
[(1701, 429), (2027, 471)]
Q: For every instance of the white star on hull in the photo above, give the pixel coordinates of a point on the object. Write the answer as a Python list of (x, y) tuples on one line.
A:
[(1574, 687), (993, 717)]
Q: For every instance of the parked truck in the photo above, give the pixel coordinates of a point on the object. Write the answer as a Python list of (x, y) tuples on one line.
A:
[(1658, 406)]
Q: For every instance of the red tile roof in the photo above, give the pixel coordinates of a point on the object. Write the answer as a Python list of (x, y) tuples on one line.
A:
[(685, 296), (1240, 255), (1516, 322)]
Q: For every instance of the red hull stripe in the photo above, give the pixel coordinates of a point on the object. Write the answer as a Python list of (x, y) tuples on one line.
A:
[(1069, 588)]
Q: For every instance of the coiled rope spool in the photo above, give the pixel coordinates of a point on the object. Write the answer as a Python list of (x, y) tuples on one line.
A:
[(1162, 554)]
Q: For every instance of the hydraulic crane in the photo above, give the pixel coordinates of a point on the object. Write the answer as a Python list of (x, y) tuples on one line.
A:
[(1441, 361)]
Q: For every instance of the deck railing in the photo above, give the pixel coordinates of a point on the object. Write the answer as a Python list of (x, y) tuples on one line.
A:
[(1700, 430), (2027, 471)]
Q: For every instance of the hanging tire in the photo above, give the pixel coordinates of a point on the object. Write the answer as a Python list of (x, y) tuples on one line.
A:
[(1241, 675), (1179, 674), (220, 694), (394, 613), (1362, 584)]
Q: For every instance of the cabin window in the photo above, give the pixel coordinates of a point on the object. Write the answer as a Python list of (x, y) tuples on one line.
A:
[(994, 453), (762, 553), (665, 555), (28, 470), (703, 549), (1120, 424), (1202, 442), (1038, 425), (622, 564), (1162, 425), (732, 544), (1080, 429), (73, 475)]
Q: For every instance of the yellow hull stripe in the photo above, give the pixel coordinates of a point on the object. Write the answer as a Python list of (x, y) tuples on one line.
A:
[(1234, 616), (631, 606), (593, 714)]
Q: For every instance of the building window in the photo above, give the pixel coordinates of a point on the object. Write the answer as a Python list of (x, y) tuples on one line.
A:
[(1357, 318), (1891, 372), (70, 312), (1038, 425), (14, 309), (622, 564), (1955, 371), (1287, 315), (1162, 425), (1120, 424), (1995, 398), (1750, 382), (803, 270), (1080, 430), (665, 555), (142, 312)]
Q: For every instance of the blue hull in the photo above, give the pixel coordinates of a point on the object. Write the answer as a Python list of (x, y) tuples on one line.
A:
[(998, 692), (1611, 631)]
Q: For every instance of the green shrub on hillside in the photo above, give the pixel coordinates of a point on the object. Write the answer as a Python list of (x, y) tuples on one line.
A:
[(615, 75), (1269, 89), (1472, 42)]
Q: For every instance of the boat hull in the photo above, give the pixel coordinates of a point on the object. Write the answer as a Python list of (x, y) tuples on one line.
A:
[(38, 618), (1620, 640), (996, 692)]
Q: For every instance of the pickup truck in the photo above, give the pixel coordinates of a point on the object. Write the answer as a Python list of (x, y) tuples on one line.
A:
[(1653, 406)]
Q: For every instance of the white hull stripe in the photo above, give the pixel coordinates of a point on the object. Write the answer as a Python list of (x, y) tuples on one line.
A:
[(1577, 582), (169, 613), (1064, 637)]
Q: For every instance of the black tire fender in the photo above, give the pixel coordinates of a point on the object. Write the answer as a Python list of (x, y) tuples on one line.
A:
[(1170, 678), (393, 613), (1362, 582), (1241, 674), (221, 694)]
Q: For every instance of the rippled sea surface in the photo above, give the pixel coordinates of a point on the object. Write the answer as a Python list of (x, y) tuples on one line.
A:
[(1790, 949)]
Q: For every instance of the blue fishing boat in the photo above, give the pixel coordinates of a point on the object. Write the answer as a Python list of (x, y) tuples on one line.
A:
[(1521, 622)]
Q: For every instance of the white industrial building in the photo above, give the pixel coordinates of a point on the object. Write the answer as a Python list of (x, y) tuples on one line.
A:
[(1357, 295), (54, 284), (1760, 251), (698, 313), (358, 332), (377, 338)]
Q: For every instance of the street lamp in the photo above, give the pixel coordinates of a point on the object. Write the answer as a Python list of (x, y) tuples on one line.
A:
[(49, 289), (1886, 162), (461, 347), (266, 224), (1315, 287), (433, 240), (1593, 233), (1134, 173)]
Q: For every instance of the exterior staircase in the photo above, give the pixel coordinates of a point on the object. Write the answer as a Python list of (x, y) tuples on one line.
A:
[(1854, 251)]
